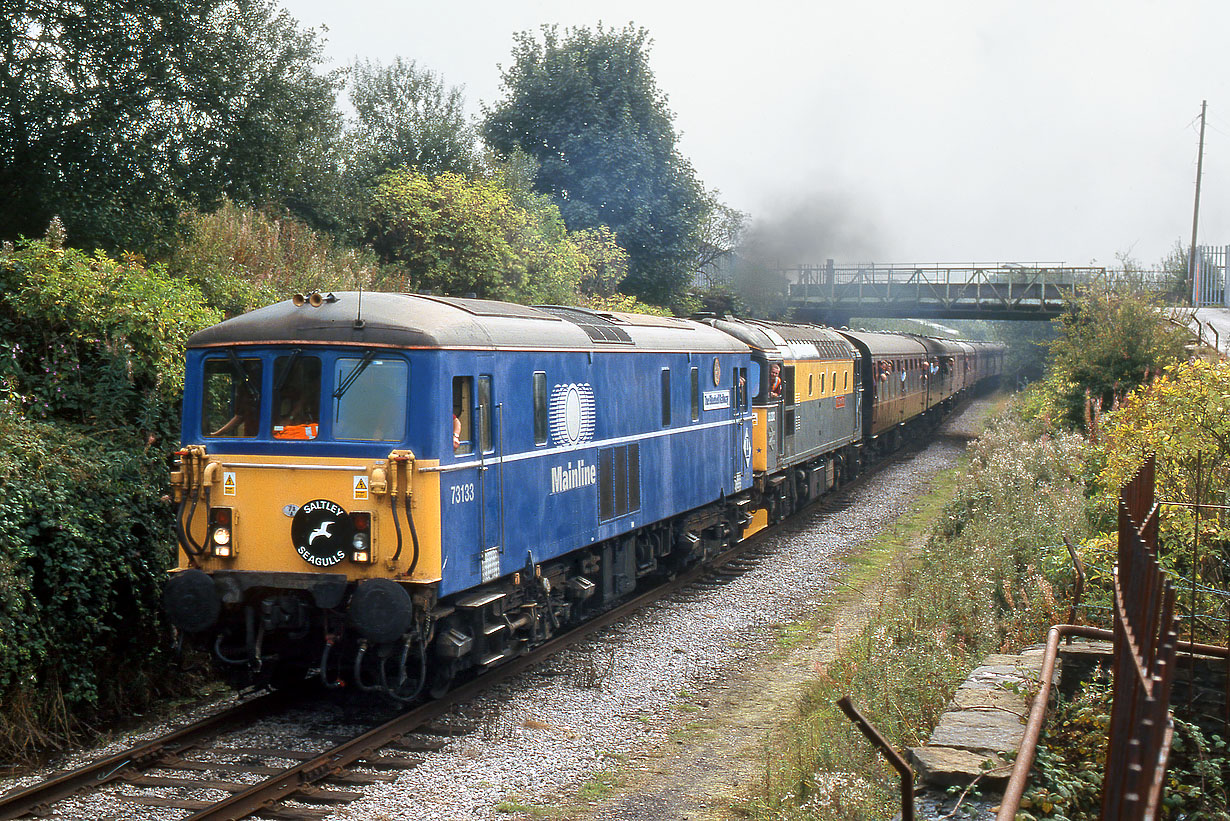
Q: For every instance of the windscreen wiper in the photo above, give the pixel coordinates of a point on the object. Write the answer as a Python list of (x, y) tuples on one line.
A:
[(353, 375), (290, 366), (242, 372)]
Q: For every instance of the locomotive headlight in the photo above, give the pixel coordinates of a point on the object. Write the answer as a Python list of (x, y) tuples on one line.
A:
[(220, 521), (361, 548), (361, 542)]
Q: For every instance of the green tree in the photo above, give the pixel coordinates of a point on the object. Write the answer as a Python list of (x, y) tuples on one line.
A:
[(1109, 343), (406, 116), (586, 107), (459, 235), (116, 115)]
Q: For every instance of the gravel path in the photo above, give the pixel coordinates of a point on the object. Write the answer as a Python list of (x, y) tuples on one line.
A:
[(546, 733)]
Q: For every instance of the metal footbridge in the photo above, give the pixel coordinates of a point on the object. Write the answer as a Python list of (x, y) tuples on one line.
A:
[(833, 293)]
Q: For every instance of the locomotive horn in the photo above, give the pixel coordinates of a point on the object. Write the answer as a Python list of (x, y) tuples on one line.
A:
[(298, 300), (315, 299)]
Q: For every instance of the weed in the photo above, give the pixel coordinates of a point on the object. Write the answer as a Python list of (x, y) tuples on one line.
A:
[(975, 577), (599, 786)]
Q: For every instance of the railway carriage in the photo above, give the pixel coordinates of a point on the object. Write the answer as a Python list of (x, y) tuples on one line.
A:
[(895, 392), (942, 370)]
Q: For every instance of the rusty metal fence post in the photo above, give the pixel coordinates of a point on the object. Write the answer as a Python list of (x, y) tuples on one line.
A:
[(892, 756), (1145, 639)]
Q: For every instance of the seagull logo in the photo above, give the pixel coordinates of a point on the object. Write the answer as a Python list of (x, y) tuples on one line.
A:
[(323, 530)]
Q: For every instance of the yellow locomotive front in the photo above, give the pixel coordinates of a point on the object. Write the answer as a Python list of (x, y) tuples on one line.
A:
[(305, 518)]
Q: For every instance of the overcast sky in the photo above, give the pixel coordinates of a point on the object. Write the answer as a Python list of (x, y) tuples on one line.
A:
[(903, 131)]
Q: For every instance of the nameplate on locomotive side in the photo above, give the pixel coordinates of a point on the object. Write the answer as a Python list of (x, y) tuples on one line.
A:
[(716, 400)]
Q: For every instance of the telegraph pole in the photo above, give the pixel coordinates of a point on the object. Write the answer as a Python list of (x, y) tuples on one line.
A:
[(1191, 254)]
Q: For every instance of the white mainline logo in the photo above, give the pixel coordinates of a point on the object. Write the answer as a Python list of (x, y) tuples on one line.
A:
[(568, 478)]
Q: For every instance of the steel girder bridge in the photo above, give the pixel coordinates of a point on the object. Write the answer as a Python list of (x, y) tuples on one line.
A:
[(1030, 291)]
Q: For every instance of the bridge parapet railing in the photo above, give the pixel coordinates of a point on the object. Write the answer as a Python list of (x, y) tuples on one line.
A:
[(1012, 286)]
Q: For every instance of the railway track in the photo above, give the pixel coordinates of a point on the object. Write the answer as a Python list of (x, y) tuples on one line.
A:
[(315, 783), (326, 778)]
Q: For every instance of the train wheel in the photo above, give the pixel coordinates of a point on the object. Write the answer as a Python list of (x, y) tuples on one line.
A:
[(440, 679)]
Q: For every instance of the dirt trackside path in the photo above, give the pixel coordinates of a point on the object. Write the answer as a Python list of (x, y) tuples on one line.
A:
[(717, 754)]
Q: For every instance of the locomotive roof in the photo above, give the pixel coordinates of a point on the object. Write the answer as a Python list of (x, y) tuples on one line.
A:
[(416, 321), (791, 340)]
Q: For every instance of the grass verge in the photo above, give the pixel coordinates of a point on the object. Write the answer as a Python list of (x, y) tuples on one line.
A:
[(986, 544)]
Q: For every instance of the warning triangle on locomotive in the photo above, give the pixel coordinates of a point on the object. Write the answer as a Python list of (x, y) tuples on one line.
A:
[(389, 491)]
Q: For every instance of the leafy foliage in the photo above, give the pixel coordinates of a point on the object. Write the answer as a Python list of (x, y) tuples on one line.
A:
[(1183, 418), (407, 117), (1108, 344), (95, 341), (84, 546), (457, 235), (241, 259), (586, 107), (90, 380), (1066, 782), (117, 114)]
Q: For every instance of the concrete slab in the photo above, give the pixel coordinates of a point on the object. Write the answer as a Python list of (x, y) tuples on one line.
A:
[(983, 723), (979, 730), (948, 767)]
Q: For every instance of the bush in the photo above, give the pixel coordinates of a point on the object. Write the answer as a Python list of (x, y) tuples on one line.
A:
[(89, 410), (95, 341), (241, 259), (85, 541)]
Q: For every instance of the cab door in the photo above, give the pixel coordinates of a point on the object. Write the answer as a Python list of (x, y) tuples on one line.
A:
[(487, 437), (742, 444)]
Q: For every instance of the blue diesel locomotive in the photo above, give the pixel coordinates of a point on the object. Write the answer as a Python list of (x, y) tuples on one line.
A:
[(388, 490)]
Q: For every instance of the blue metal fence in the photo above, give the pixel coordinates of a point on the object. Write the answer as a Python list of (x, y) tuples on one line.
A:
[(1208, 275)]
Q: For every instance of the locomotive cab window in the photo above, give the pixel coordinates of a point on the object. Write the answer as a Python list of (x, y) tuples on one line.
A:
[(231, 397), (296, 397), (370, 399), (463, 418)]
